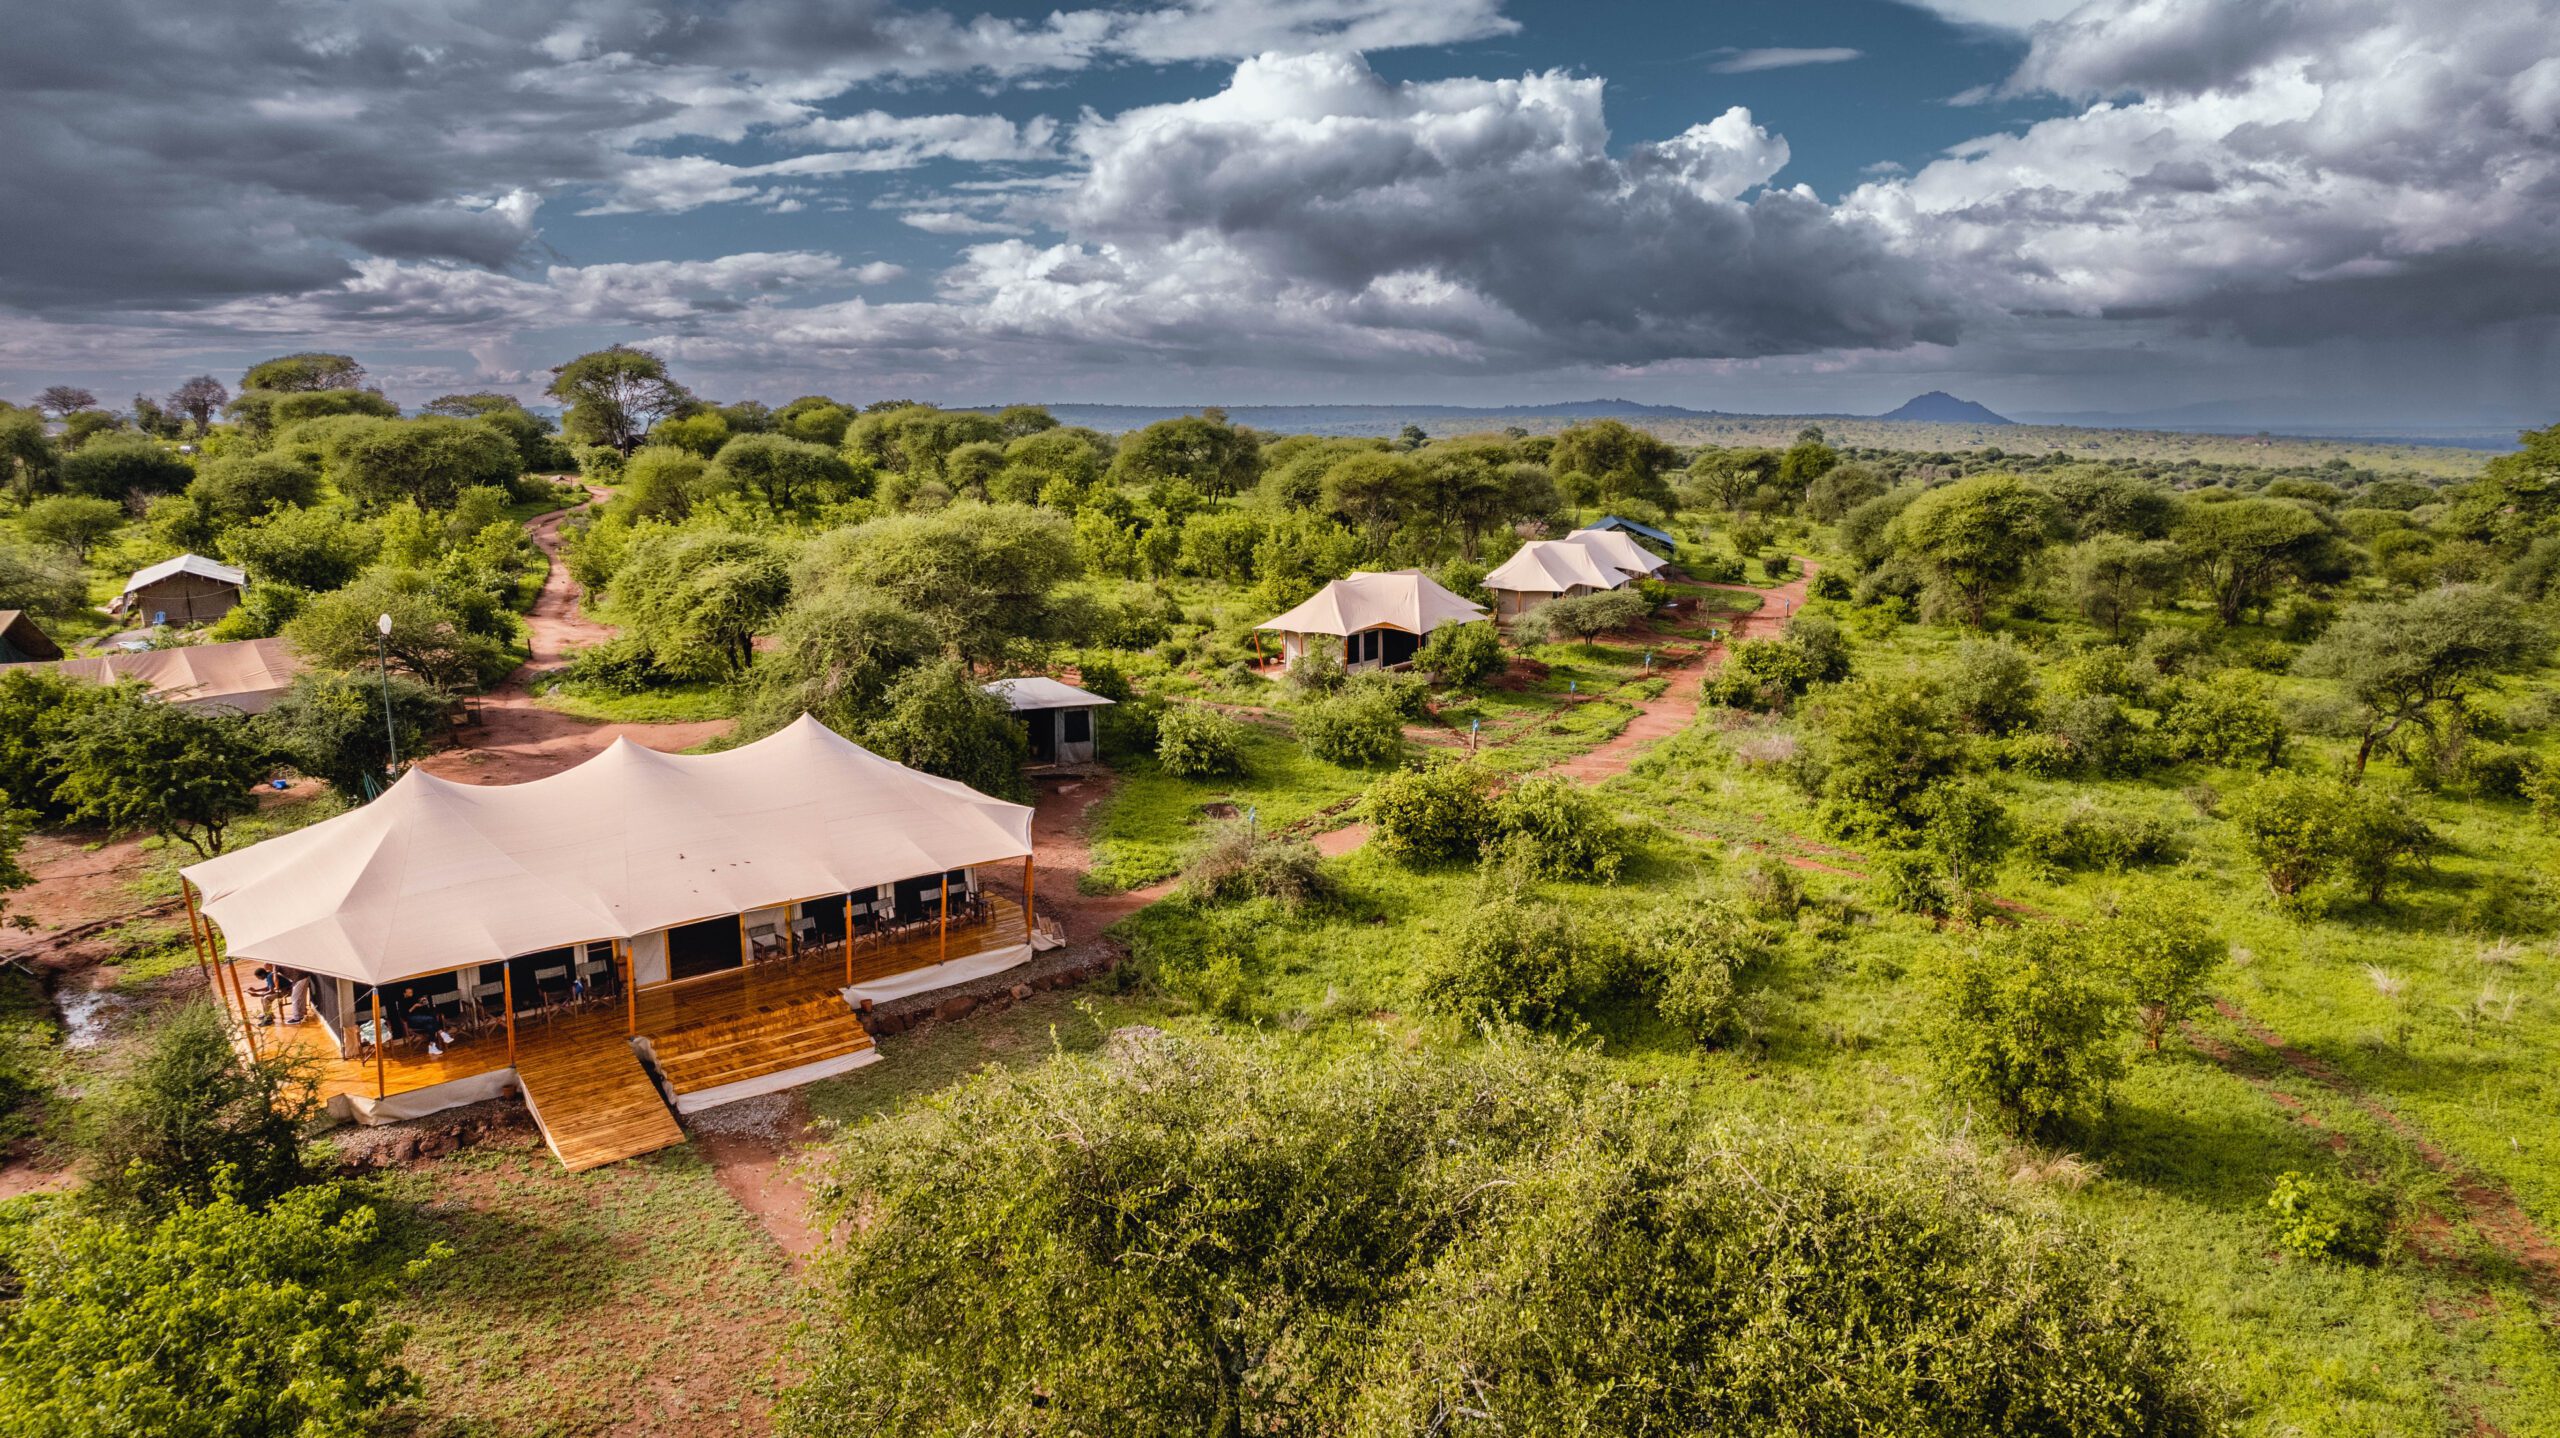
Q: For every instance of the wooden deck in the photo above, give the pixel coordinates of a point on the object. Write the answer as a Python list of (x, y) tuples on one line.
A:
[(585, 1082)]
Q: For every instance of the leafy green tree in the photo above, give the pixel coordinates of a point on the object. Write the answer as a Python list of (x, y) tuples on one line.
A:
[(2381, 837), (2291, 826), (27, 454), (2411, 662), (1371, 490), (332, 727), (1974, 538), (2100, 501), (2163, 951), (1992, 686), (134, 763), (615, 394), (985, 577), (75, 522), (1354, 728), (698, 597), (783, 472), (194, 1120), (303, 373), (701, 432), (1720, 478), (314, 550), (237, 488), (2113, 579), (936, 718), (217, 1321), (1194, 741), (1583, 616), (264, 412), (2517, 494), (2235, 551), (535, 436), (835, 654), (429, 462), (1885, 741), (914, 439), (1215, 457), (115, 466), (1459, 656), (2026, 1020), (813, 419), (1838, 490), (454, 639), (2230, 718), (42, 581), (64, 400), (660, 481), (81, 426), (1806, 461), (15, 825), (1620, 462)]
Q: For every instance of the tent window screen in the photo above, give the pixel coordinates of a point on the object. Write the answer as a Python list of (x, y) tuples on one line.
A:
[(1079, 726)]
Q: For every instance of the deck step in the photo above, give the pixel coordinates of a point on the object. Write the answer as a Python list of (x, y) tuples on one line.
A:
[(782, 1034), (595, 1104)]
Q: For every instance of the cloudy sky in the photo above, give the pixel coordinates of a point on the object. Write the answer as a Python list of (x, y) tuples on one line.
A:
[(2307, 211)]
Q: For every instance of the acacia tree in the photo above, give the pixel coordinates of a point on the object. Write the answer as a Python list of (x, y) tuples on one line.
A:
[(136, 763), (615, 394), (64, 400), (2236, 550), (74, 521), (1370, 490), (1584, 616), (2026, 1021), (311, 370), (1216, 457), (936, 718), (2409, 661), (1973, 538), (783, 472), (697, 597), (2113, 578), (331, 726), (197, 400), (2163, 951)]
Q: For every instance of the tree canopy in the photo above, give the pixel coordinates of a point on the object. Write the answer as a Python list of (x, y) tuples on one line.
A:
[(615, 394)]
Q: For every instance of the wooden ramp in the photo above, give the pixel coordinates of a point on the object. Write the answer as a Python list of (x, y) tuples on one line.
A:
[(756, 1038), (594, 1102)]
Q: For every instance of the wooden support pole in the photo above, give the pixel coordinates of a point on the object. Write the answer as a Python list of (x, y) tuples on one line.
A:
[(239, 994), (791, 932), (507, 977), (381, 1041), (848, 938), (195, 935), (630, 984), (943, 935), (1029, 918)]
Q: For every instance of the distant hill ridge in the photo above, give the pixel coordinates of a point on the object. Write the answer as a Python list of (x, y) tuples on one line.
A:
[(1934, 407), (1940, 407)]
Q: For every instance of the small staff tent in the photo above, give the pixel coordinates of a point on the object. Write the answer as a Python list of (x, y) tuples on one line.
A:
[(189, 589), (1619, 552), (1545, 569), (245, 675), (1379, 618), (21, 642), (1059, 717)]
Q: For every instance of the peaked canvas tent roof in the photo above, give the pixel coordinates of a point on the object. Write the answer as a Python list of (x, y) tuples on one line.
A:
[(1552, 566), (1035, 692), (435, 875), (245, 674), (1617, 550), (1405, 599), (195, 564), (19, 634), (1612, 521)]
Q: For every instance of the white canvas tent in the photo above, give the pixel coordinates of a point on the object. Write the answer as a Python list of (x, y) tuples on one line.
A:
[(435, 875), (1620, 551), (244, 674), (1545, 569), (1380, 617)]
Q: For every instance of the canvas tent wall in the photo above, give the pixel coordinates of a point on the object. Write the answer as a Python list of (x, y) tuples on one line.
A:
[(1060, 718), (1619, 552), (189, 589), (245, 674), (1379, 619), (21, 642), (1545, 569)]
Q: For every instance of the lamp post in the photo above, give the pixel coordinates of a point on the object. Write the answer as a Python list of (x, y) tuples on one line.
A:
[(382, 652)]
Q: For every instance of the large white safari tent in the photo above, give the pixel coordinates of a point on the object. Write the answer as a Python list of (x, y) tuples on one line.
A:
[(1370, 620)]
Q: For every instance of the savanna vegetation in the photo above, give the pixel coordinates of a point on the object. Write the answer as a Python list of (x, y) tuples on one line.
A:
[(2089, 969)]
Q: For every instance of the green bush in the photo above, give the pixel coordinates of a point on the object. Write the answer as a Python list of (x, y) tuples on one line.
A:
[(2328, 1218), (1409, 695), (1239, 865), (1196, 742), (193, 1121), (1717, 569), (1555, 828), (1828, 585), (2027, 1021), (2227, 718), (217, 1319), (1512, 959), (2086, 837), (1434, 814), (1357, 729), (1698, 957), (620, 665), (1459, 655), (1318, 671)]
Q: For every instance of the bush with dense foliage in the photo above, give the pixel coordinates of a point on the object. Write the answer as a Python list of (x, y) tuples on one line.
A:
[(1553, 827), (1394, 1243), (134, 764), (193, 1119), (2305, 831), (1440, 812), (339, 728), (1358, 728), (1510, 959), (2027, 1022), (1194, 741), (1240, 865), (1696, 958), (217, 1320), (935, 717), (2332, 1218), (1457, 656)]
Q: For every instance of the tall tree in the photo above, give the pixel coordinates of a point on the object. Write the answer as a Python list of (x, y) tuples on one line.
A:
[(1974, 538), (2236, 550), (2410, 661), (1217, 458), (307, 371), (199, 399), (615, 394), (63, 400), (1371, 490), (1618, 461), (135, 763)]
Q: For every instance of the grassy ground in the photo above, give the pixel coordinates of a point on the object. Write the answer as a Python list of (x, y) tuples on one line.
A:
[(674, 704)]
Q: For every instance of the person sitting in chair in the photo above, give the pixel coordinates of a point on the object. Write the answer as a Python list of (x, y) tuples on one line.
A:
[(420, 1020)]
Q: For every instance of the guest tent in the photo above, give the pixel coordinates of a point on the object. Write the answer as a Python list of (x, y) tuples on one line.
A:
[(1644, 532), (245, 674), (1619, 552), (1380, 618), (189, 589), (22, 642), (1545, 569)]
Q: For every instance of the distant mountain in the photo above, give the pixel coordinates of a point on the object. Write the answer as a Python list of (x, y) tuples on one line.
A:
[(1940, 407)]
